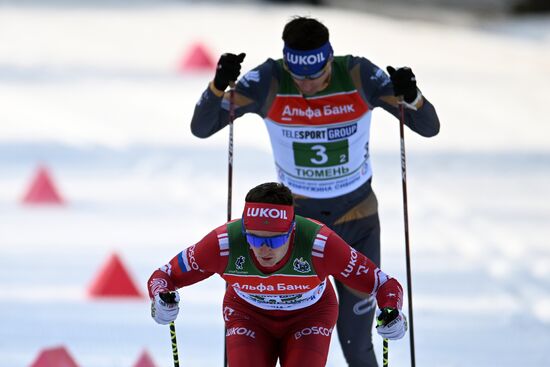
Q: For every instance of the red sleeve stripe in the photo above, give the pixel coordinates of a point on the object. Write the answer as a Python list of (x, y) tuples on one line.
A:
[(223, 242)]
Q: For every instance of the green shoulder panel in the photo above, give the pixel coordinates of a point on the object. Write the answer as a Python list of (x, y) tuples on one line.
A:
[(299, 262), (305, 234), (239, 257)]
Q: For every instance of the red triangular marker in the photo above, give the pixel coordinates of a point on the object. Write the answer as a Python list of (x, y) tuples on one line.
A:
[(54, 357), (42, 190), (113, 280), (197, 59), (145, 360)]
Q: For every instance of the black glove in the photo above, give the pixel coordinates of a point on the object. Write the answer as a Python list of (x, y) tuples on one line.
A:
[(169, 297), (228, 69), (386, 316), (404, 83)]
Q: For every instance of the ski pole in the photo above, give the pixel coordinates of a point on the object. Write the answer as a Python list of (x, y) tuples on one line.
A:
[(385, 316), (385, 352), (174, 344), (229, 182), (230, 151), (170, 297), (406, 223)]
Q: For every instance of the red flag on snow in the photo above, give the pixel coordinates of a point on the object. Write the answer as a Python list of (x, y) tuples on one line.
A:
[(113, 280), (198, 58), (145, 360), (42, 190), (54, 357)]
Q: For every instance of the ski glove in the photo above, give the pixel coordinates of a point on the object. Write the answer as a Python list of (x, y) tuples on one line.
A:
[(392, 323), (404, 84), (228, 69), (165, 307)]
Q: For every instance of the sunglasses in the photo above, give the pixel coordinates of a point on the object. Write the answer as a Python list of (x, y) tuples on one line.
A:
[(308, 77), (272, 242)]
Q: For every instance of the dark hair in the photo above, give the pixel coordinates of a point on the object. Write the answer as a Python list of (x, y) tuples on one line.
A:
[(303, 33), (270, 192)]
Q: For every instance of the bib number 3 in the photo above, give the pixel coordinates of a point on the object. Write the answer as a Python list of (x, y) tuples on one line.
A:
[(321, 155)]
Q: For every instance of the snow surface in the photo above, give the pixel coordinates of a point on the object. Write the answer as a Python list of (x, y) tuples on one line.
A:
[(94, 93)]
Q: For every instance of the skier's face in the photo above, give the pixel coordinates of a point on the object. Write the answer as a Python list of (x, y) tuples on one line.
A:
[(266, 255), (312, 86)]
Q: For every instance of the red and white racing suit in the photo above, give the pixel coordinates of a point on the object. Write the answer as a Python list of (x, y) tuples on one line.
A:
[(298, 335)]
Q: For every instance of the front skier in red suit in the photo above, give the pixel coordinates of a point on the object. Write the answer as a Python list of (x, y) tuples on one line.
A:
[(279, 304)]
